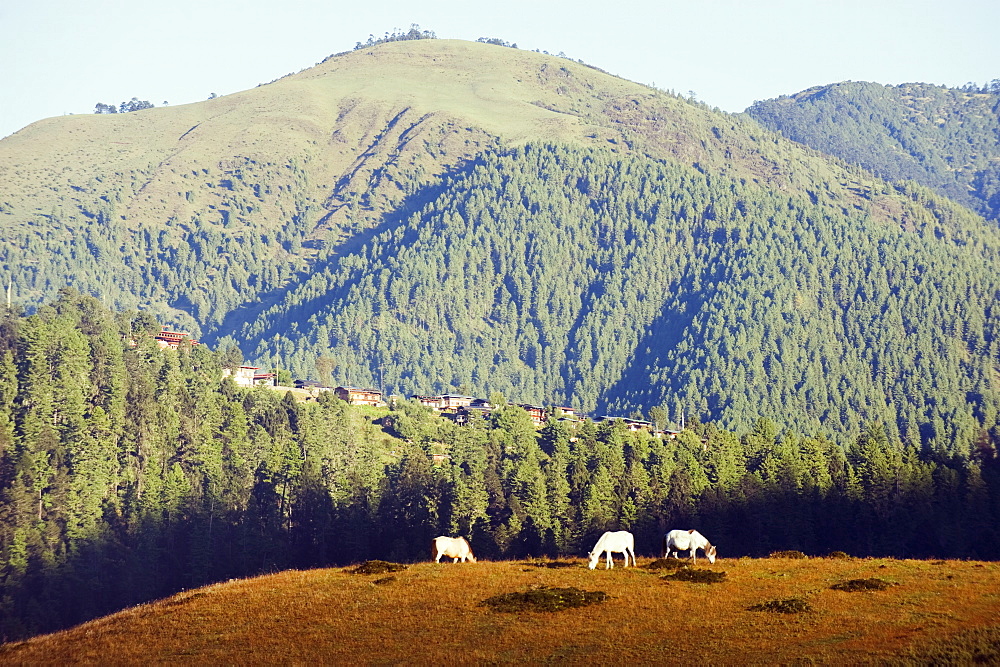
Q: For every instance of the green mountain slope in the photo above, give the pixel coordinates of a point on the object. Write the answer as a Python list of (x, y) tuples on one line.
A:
[(944, 138), (561, 276)]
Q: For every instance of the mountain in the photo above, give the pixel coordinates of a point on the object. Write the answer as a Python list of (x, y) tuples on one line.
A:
[(944, 138), (439, 215)]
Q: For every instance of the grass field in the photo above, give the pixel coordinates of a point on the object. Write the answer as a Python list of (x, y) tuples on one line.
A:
[(931, 611)]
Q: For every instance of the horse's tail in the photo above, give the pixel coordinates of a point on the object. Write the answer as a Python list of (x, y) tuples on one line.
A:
[(663, 552)]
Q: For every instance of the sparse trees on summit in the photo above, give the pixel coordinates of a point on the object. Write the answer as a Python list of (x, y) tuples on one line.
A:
[(135, 104), (397, 35)]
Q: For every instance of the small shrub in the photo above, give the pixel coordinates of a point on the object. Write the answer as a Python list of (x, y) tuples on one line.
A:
[(787, 554), (856, 585), (666, 564), (786, 606), (838, 554), (696, 576), (544, 598), (377, 567)]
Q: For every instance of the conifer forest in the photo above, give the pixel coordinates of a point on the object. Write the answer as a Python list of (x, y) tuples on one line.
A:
[(129, 472)]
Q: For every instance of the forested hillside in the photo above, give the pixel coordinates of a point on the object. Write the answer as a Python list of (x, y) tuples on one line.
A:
[(562, 276), (128, 472), (947, 139), (438, 215)]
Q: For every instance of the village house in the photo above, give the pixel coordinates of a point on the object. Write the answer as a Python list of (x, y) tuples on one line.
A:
[(478, 406), (172, 339), (445, 403), (358, 396), (310, 385), (249, 376), (567, 413), (536, 412), (640, 425)]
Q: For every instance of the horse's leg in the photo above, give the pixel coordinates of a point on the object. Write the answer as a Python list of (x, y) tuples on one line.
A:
[(611, 561)]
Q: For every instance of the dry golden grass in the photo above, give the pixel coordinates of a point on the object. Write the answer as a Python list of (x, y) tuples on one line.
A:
[(430, 613)]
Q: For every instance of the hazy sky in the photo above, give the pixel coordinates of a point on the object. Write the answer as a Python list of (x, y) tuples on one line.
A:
[(64, 56)]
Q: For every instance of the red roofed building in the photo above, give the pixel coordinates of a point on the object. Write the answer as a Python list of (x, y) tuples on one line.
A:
[(172, 339)]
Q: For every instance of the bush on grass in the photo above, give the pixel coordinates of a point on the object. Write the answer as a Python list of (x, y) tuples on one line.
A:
[(543, 598)]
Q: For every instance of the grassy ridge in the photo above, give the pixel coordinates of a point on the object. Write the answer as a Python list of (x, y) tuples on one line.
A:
[(430, 613)]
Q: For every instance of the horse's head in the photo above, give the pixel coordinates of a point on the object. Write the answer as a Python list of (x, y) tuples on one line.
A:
[(710, 551), (594, 557)]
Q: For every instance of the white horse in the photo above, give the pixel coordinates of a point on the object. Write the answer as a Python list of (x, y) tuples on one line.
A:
[(619, 542), (687, 540), (453, 547)]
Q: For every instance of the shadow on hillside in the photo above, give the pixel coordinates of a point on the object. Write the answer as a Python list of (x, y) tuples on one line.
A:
[(295, 302), (650, 355)]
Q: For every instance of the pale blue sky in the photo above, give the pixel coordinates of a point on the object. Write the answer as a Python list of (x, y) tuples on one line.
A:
[(64, 56)]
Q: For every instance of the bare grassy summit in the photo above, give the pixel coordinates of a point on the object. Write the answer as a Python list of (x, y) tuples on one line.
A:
[(434, 612)]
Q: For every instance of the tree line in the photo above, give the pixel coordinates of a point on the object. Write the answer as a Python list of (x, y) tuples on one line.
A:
[(128, 472)]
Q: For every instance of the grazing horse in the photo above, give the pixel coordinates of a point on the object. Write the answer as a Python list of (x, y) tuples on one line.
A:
[(683, 540), (619, 542), (452, 547)]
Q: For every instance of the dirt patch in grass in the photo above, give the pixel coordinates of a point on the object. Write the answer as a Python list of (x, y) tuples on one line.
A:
[(857, 585), (553, 564), (377, 567), (696, 576), (787, 554), (785, 606), (544, 598), (666, 564)]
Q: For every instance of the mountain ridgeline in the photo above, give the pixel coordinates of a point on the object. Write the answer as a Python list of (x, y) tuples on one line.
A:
[(436, 215)]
